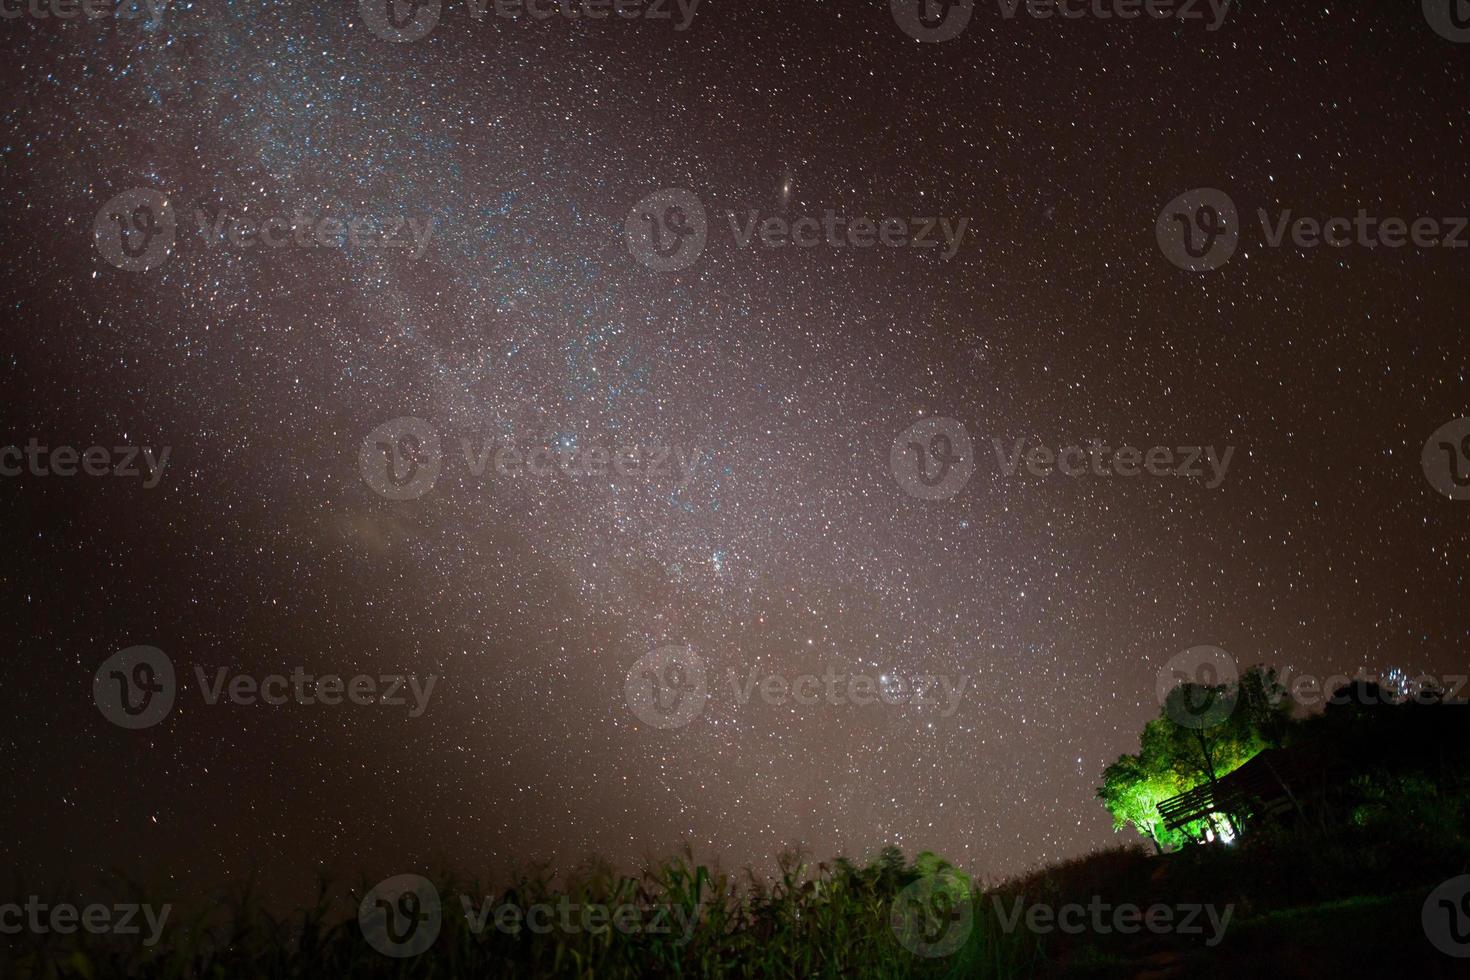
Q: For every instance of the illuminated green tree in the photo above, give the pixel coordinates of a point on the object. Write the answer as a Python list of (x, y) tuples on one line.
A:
[(1132, 791), (1174, 758)]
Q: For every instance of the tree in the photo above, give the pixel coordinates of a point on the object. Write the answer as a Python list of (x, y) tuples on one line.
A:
[(1132, 792), (1203, 732)]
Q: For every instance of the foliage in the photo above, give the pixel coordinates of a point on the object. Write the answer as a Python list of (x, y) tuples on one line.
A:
[(1174, 758), (823, 921), (1377, 759), (1132, 790)]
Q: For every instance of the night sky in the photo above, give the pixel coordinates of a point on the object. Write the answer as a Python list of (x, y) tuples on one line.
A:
[(790, 372)]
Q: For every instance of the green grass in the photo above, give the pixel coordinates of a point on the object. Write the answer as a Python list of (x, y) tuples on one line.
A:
[(811, 921), (816, 920)]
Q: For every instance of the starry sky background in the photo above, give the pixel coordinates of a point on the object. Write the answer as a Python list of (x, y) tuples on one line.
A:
[(793, 550)]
